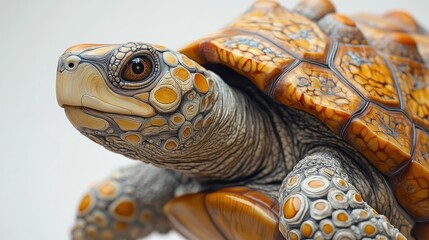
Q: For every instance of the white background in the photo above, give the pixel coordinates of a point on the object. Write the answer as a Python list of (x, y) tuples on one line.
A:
[(45, 164)]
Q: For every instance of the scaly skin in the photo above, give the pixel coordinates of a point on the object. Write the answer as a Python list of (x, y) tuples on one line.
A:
[(245, 139)]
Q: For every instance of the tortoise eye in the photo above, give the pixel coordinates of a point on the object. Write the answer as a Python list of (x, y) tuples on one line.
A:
[(137, 69)]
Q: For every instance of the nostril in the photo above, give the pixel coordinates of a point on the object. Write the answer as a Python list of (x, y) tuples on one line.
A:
[(71, 62)]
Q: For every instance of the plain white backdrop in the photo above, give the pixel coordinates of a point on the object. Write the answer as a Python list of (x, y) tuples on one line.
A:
[(45, 164)]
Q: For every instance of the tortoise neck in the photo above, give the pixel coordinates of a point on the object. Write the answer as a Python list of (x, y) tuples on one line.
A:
[(241, 142)]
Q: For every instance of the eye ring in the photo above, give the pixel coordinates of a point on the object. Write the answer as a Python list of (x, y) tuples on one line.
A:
[(120, 72)]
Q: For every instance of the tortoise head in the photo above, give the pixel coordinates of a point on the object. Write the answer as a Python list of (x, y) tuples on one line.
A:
[(141, 100)]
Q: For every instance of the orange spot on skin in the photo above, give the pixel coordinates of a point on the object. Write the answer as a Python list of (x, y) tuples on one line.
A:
[(339, 197), (165, 95), (120, 226), (293, 236), (126, 208), (170, 145), (320, 205), (133, 139), (201, 83), (292, 180), (306, 230), (181, 73), (187, 132), (158, 122), (327, 229), (85, 203), (342, 183), (316, 183), (291, 207), (358, 197), (177, 119), (145, 217), (400, 237), (188, 62), (107, 189), (342, 217), (364, 214), (344, 20), (199, 124), (369, 230), (170, 59)]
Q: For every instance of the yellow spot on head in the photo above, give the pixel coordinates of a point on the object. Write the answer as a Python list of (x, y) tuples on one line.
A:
[(133, 139), (181, 73), (128, 124), (170, 145), (177, 119), (199, 124), (188, 62), (165, 95), (187, 132), (201, 83), (170, 59)]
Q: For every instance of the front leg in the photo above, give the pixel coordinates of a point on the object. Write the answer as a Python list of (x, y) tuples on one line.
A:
[(318, 201), (127, 205)]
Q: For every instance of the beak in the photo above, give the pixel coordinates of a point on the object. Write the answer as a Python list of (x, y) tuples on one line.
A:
[(81, 84)]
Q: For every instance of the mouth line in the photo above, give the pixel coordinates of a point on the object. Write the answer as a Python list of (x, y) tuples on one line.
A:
[(90, 110), (113, 125)]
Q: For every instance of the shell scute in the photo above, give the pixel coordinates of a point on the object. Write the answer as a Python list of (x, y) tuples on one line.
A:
[(384, 137), (250, 56), (294, 33), (411, 186), (367, 71), (320, 92), (413, 78)]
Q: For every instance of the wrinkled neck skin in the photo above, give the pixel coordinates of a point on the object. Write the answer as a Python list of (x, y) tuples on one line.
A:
[(238, 146)]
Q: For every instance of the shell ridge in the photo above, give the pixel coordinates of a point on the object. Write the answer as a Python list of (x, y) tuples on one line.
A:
[(395, 80), (273, 86)]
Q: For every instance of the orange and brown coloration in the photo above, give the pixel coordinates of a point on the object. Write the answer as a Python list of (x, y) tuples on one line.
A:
[(318, 91), (378, 68), (384, 137), (366, 70)]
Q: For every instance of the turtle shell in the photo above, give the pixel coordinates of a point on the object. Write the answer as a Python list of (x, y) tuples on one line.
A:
[(365, 77)]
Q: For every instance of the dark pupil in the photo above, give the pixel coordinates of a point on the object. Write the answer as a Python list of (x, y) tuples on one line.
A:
[(138, 66)]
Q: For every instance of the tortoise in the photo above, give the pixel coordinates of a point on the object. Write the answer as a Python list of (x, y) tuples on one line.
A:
[(286, 124)]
